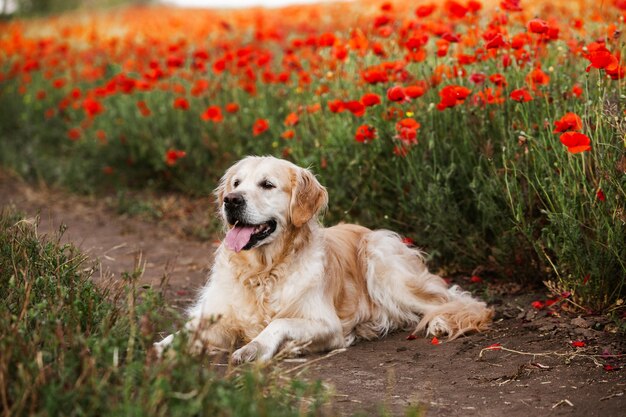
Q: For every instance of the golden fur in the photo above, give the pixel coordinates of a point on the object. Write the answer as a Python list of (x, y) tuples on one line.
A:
[(320, 287)]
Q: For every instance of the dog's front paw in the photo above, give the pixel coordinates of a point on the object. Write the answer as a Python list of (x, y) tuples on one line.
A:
[(160, 347), (438, 327), (250, 352)]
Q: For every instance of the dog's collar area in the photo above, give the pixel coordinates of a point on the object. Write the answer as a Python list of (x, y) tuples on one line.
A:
[(246, 236)]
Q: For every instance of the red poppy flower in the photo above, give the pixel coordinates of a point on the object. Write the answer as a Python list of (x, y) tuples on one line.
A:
[(538, 305), (521, 95), (212, 113), (495, 346), (181, 103), (600, 195), (92, 107), (335, 106), (292, 119), (232, 107), (173, 155), (375, 75), (355, 107), (73, 134), (576, 142), (498, 79), (571, 121), (537, 76), (425, 10), (143, 108), (494, 41), (370, 99), (600, 57), (414, 91), (288, 134), (407, 131), (260, 126), (511, 5), (475, 279), (396, 94), (577, 90), (478, 78), (452, 95), (537, 26), (365, 133)]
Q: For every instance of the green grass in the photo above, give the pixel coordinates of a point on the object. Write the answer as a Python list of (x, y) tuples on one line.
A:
[(73, 348)]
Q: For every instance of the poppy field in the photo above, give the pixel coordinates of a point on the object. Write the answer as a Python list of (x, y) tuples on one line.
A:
[(490, 133)]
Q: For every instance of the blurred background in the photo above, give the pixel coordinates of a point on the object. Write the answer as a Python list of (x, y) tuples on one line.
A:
[(22, 8)]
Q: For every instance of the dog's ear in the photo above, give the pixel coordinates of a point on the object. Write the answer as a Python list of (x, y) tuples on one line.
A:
[(308, 197)]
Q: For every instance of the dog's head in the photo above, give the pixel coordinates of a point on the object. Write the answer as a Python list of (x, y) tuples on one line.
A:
[(261, 197)]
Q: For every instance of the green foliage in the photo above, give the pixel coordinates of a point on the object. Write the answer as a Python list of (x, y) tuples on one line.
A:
[(71, 348)]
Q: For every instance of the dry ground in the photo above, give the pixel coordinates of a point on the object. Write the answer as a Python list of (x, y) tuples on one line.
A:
[(447, 379)]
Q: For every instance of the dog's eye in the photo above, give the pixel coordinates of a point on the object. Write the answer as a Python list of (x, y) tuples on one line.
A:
[(236, 183), (266, 185)]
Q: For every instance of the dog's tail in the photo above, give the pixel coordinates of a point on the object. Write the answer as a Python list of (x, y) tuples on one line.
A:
[(459, 315)]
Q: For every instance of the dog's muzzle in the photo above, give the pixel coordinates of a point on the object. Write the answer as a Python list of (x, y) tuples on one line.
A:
[(243, 235)]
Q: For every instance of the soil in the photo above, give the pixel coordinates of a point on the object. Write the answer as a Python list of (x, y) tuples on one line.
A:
[(450, 378)]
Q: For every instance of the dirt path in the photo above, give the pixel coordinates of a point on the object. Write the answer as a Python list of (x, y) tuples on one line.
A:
[(446, 379)]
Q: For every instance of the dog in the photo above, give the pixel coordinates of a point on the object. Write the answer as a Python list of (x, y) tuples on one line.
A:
[(279, 276)]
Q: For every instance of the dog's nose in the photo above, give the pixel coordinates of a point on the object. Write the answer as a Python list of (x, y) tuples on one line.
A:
[(234, 200)]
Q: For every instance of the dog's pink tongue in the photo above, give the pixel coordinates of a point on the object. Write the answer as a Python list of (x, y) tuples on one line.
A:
[(238, 237)]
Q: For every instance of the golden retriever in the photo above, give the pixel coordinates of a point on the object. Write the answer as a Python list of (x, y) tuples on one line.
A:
[(280, 276)]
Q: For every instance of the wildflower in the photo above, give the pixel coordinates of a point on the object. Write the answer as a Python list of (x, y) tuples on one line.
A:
[(600, 57), (537, 76), (452, 95), (495, 346), (475, 279), (292, 119), (576, 142), (538, 26), (370, 99), (498, 79), (143, 108), (260, 126), (571, 121), (577, 90), (511, 5), (288, 134), (212, 113), (232, 108), (73, 134), (600, 195), (538, 305), (407, 131), (414, 91), (365, 134), (425, 10), (181, 103), (521, 94), (335, 106), (92, 107), (173, 155), (355, 107), (396, 94), (496, 41), (478, 78)]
